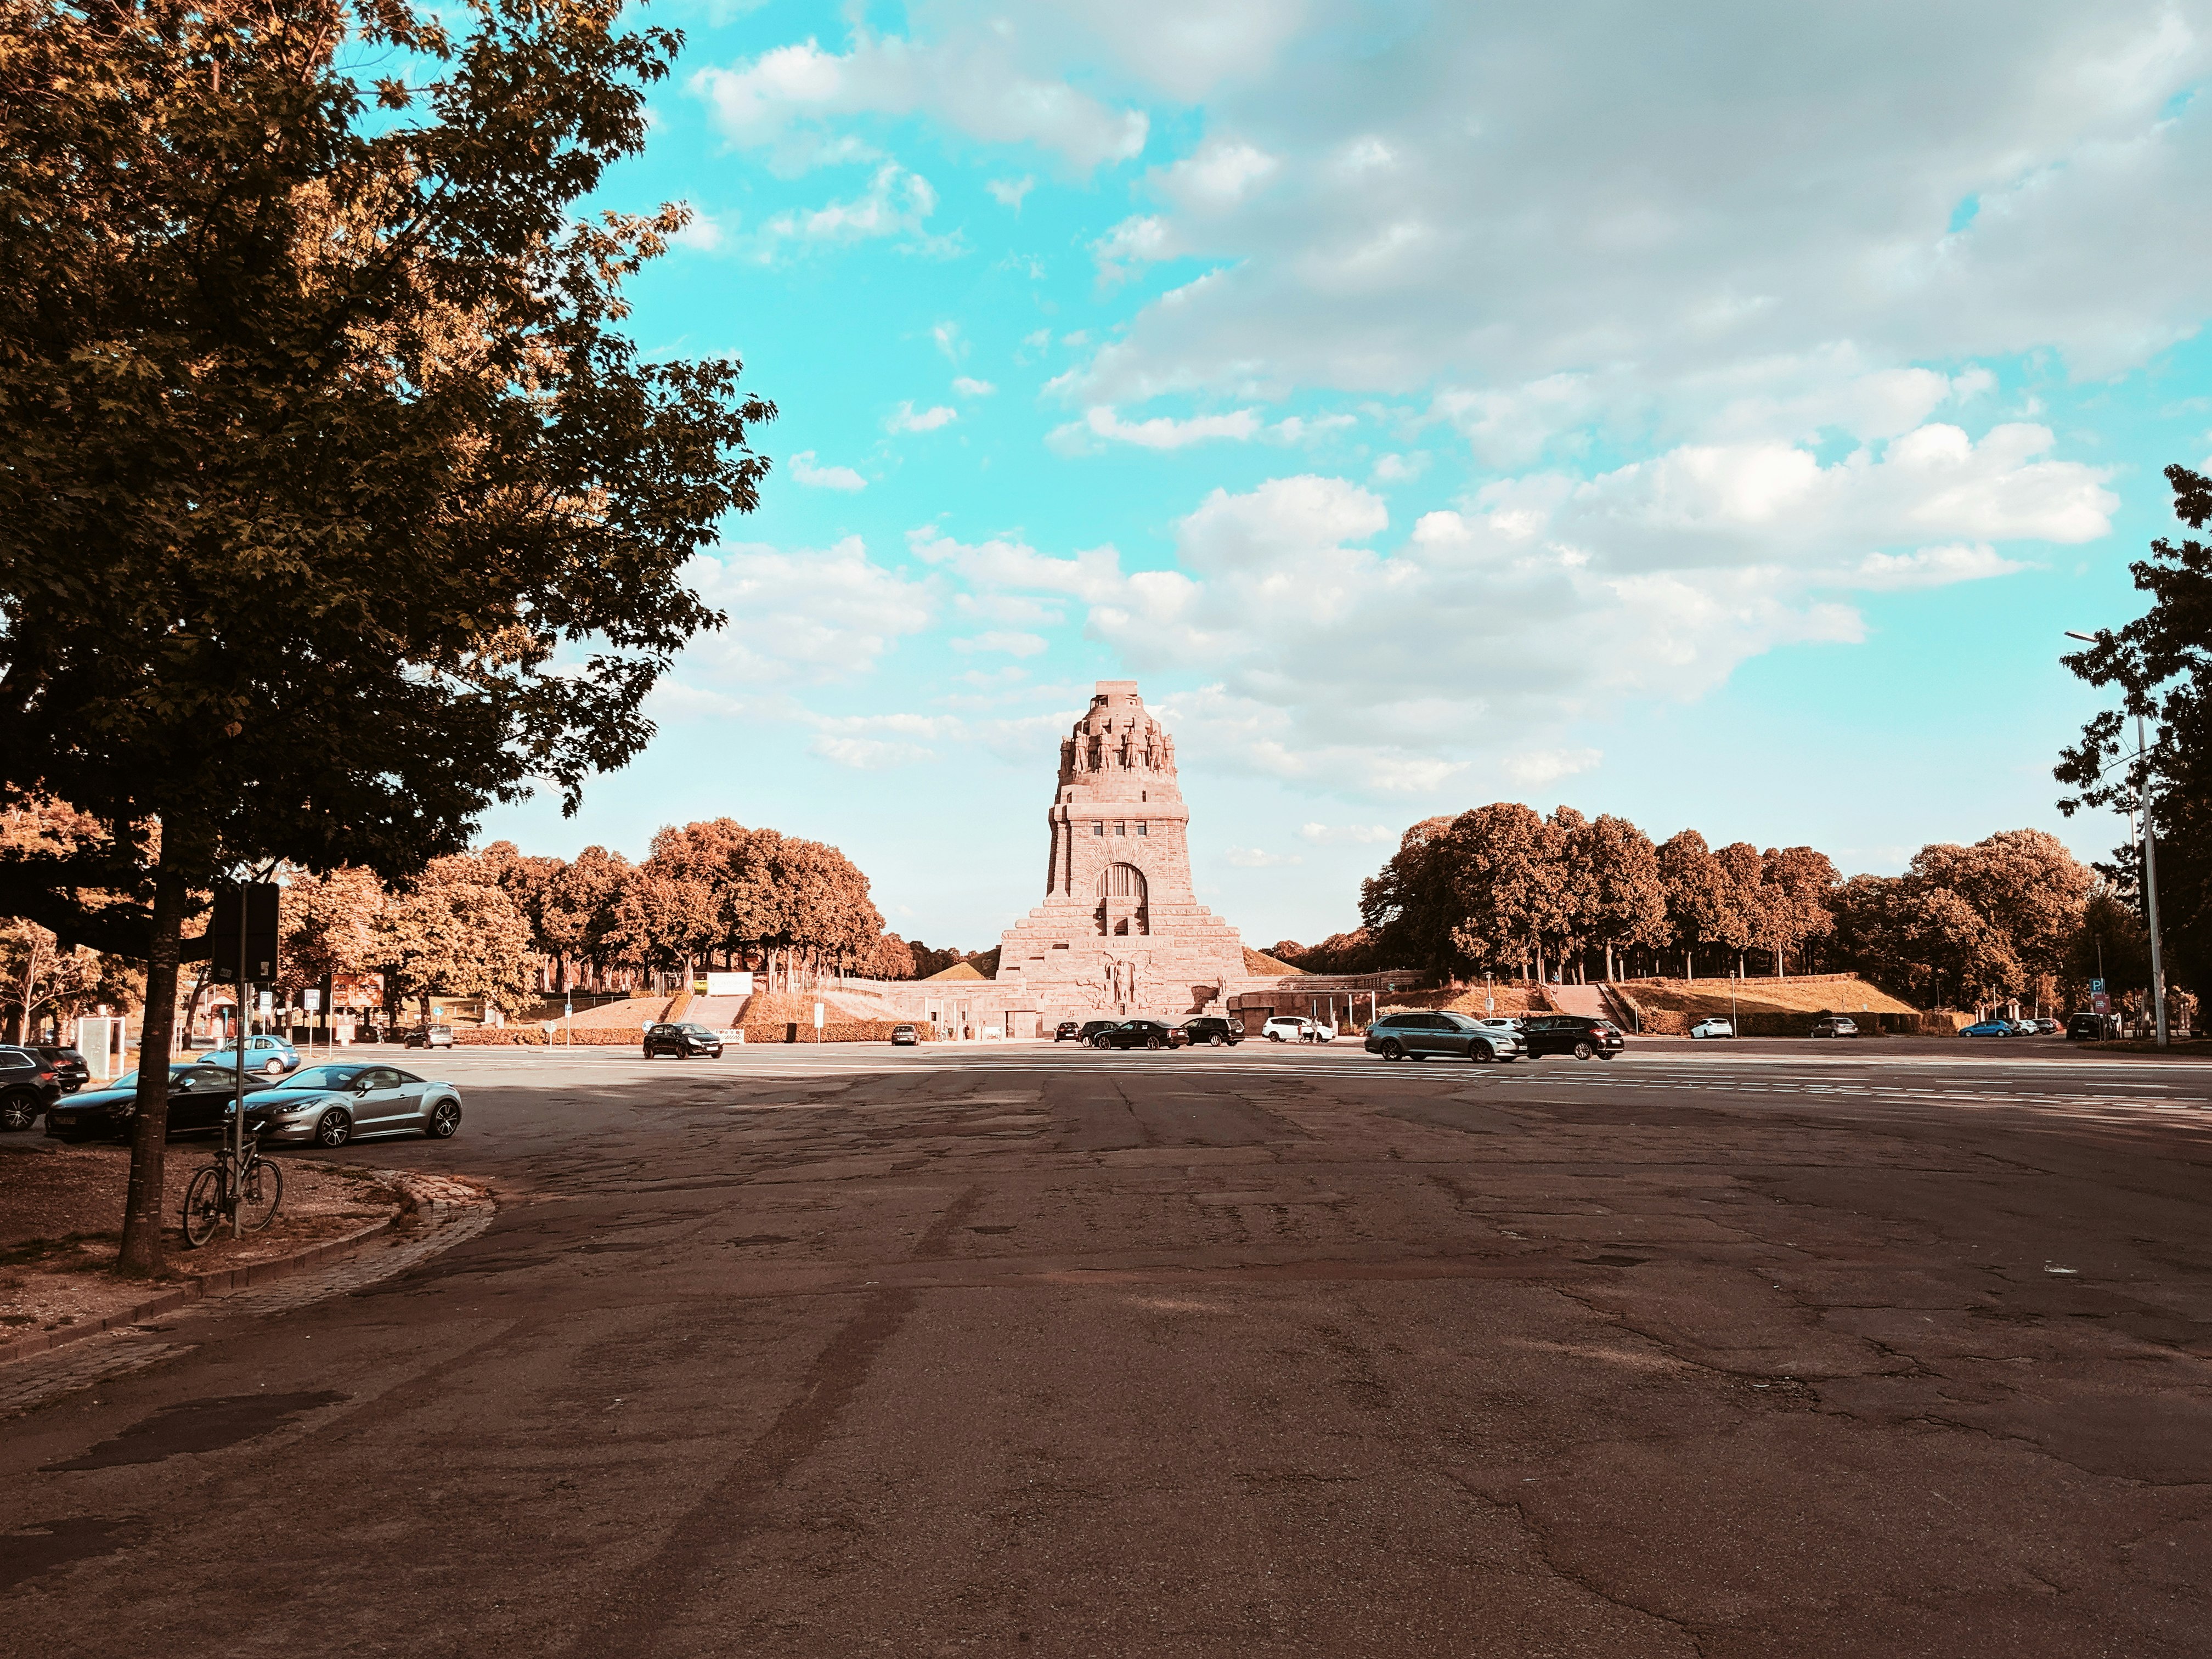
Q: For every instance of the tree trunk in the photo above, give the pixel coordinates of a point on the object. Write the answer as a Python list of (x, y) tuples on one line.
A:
[(143, 1204), (1779, 973)]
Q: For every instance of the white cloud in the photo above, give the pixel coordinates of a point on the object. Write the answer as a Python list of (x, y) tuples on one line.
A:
[(869, 754), (1008, 642), (1159, 432), (1252, 858), (1932, 566), (947, 336), (968, 388), (1092, 575), (1534, 767), (895, 203), (703, 232), (1401, 468), (787, 99), (1360, 834), (907, 418), (1009, 193), (1513, 203), (810, 615), (804, 471)]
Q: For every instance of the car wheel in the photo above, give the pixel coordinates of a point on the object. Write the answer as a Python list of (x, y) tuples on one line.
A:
[(1481, 1052), (334, 1128), (1392, 1049), (1219, 1041), (18, 1112), (274, 1069), (1274, 1036), (1583, 1051), (444, 1119), (1151, 1043), (1100, 1043), (648, 1053)]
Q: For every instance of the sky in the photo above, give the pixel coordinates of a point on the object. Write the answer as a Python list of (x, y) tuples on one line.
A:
[(1713, 415)]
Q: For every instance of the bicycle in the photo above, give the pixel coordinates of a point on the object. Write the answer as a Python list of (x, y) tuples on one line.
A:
[(256, 1190)]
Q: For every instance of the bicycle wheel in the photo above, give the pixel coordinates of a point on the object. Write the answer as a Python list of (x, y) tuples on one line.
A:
[(260, 1194), (202, 1207)]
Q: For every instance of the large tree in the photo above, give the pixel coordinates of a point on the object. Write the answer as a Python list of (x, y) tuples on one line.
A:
[(2160, 664), (334, 504), (1697, 894)]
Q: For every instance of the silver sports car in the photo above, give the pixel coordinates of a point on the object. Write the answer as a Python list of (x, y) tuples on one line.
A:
[(333, 1104)]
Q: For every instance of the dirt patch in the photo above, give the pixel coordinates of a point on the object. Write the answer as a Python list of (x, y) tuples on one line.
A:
[(61, 1221)]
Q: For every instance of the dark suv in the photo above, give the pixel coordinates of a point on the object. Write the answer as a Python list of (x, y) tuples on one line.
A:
[(1578, 1035), (1208, 1029), (1068, 1031), (1092, 1028), (27, 1087), (683, 1042), (69, 1069), (1141, 1033)]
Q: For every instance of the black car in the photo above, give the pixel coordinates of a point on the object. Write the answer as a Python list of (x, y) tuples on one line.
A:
[(198, 1097), (29, 1085), (1419, 1034), (1207, 1029), (2092, 1028), (1579, 1035), (69, 1069), (1091, 1029), (1141, 1033), (682, 1040), (1068, 1031)]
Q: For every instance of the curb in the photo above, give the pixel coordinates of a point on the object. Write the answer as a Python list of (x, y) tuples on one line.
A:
[(232, 1278)]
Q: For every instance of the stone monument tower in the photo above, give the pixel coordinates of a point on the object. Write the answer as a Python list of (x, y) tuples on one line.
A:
[(1119, 932)]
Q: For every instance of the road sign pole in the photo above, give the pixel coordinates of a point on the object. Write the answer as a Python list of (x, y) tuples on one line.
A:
[(236, 1139), (2150, 888)]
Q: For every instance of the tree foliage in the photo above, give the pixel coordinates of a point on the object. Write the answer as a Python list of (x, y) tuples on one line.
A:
[(2161, 665), (319, 441)]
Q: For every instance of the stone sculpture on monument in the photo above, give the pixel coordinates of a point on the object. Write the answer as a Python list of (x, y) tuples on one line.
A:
[(1120, 932)]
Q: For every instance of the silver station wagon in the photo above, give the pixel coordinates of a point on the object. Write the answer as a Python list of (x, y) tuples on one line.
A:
[(1436, 1032)]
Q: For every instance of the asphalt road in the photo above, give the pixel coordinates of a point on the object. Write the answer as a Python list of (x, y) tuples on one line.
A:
[(1813, 1350)]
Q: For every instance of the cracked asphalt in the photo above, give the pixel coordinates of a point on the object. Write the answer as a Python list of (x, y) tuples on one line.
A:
[(1268, 1351)]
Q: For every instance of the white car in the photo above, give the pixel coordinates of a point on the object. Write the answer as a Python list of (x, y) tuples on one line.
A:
[(1296, 1028), (1499, 1023), (1715, 1027)]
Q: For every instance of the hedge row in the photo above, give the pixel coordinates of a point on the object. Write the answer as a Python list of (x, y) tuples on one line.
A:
[(584, 1037), (842, 1031)]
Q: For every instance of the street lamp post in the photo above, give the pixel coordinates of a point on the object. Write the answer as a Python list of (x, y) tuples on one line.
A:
[(2150, 864)]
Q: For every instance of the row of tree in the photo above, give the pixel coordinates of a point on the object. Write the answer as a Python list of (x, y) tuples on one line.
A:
[(502, 924), (1504, 890)]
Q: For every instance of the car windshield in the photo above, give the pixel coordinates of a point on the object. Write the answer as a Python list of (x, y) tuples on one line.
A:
[(324, 1077), (130, 1079), (697, 1030), (1460, 1021)]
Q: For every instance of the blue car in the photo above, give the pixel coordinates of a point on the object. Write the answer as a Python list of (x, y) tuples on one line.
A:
[(1989, 1028), (266, 1056)]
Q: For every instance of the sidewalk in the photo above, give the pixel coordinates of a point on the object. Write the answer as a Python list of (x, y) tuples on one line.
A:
[(62, 1216)]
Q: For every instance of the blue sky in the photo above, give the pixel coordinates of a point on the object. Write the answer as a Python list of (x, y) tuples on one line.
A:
[(1712, 415)]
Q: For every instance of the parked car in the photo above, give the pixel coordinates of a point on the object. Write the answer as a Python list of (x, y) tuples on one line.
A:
[(331, 1105), (682, 1040), (1296, 1028), (1583, 1035), (1988, 1028), (29, 1085), (903, 1035), (1068, 1031), (69, 1069), (1713, 1026), (1092, 1028), (1141, 1033), (1215, 1032), (271, 1056), (430, 1036), (1834, 1026), (1416, 1035), (198, 1095), (2046, 1027), (2092, 1028)]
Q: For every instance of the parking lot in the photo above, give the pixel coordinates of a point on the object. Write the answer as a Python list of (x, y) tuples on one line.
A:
[(1882, 1348)]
